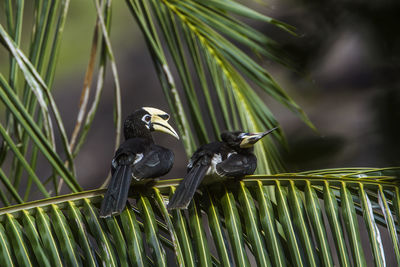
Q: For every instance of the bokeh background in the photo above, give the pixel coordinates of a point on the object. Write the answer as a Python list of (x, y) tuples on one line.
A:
[(344, 73)]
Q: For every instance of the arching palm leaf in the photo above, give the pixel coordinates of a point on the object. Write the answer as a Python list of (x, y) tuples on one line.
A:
[(201, 37), (27, 135), (246, 225), (271, 220), (206, 31)]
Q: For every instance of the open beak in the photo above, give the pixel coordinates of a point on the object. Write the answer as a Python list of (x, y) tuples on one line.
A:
[(159, 121), (250, 139)]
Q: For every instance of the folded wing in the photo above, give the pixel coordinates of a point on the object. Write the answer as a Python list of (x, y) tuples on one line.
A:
[(237, 165), (117, 192), (187, 188)]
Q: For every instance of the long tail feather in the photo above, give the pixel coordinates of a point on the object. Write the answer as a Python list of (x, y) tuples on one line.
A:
[(187, 188), (117, 193)]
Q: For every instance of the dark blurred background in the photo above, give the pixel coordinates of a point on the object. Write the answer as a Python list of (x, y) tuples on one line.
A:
[(344, 74), (349, 54)]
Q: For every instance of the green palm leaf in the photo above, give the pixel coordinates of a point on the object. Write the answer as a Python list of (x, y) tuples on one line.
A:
[(5, 249), (271, 220), (119, 240), (27, 135), (199, 35), (332, 212), (206, 31), (314, 212)]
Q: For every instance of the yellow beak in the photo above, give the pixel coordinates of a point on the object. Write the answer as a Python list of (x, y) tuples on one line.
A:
[(159, 121), (250, 139)]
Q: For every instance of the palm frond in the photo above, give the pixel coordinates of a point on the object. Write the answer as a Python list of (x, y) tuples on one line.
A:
[(245, 224), (268, 219), (203, 36), (21, 97), (27, 130), (200, 36)]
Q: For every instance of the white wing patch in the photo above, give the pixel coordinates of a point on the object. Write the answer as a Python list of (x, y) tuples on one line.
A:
[(138, 158), (114, 163), (227, 157), (217, 158), (230, 154), (190, 164)]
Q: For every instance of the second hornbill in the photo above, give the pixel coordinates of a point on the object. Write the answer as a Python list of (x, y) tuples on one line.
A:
[(231, 157), (138, 157)]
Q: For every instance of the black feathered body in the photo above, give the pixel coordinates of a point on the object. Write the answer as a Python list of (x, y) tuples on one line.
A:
[(147, 160), (138, 159), (210, 163), (220, 160)]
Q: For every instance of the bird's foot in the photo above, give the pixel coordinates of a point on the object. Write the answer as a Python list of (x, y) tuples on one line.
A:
[(152, 182), (238, 179)]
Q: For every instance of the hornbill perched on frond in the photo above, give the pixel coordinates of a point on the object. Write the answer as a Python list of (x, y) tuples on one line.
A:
[(231, 157), (138, 157)]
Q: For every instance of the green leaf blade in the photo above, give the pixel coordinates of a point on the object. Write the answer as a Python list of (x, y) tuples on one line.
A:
[(233, 225), (175, 240), (97, 228), (287, 225), (267, 218), (151, 231), (79, 228), (332, 212), (396, 204), (134, 238), (199, 236), (220, 241), (372, 228), (350, 219), (29, 225), (15, 235), (252, 226), (65, 237), (300, 223), (183, 233), (315, 215), (390, 222), (5, 249), (119, 241), (47, 236)]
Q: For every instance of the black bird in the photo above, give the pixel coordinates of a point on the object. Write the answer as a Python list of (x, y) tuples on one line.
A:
[(231, 157), (138, 157)]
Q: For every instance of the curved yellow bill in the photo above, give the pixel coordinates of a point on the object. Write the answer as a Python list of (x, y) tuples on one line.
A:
[(159, 121), (251, 138)]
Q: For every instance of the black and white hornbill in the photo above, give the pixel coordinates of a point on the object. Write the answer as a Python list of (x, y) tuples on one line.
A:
[(231, 157), (138, 157)]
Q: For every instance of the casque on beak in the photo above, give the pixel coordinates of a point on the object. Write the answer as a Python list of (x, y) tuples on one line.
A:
[(159, 121), (250, 139)]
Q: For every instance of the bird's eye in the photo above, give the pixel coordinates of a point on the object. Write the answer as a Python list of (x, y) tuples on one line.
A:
[(146, 118)]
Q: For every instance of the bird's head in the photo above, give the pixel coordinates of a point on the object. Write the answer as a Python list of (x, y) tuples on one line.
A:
[(145, 120), (242, 140)]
